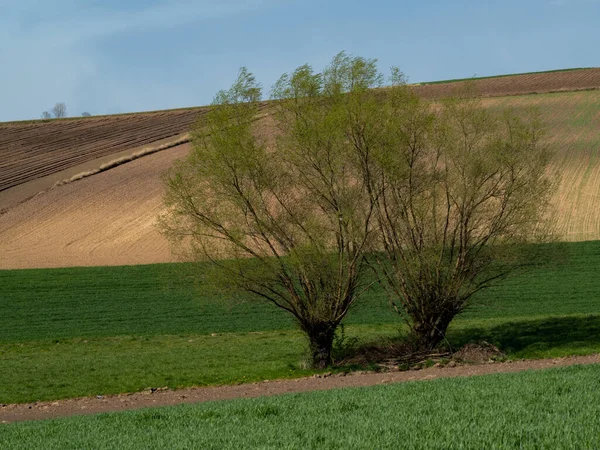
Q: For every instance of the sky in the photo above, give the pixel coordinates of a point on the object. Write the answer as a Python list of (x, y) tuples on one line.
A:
[(114, 56)]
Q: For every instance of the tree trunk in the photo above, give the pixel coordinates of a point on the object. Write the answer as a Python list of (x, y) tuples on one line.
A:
[(321, 341), (430, 331)]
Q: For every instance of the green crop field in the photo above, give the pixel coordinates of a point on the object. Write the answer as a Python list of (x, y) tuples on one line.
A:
[(88, 331), (554, 409), (164, 299)]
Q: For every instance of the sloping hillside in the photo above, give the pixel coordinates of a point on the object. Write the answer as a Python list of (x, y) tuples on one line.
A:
[(105, 219), (36, 149), (30, 150), (108, 218), (527, 83), (573, 129)]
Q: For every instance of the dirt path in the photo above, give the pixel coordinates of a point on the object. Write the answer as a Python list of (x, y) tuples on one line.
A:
[(160, 397)]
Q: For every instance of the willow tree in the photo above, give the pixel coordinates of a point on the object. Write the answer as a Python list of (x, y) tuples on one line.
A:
[(459, 189), (293, 201), (282, 209)]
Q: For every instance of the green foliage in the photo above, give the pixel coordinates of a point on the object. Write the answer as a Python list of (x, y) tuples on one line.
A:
[(557, 408), (455, 187), (343, 344), (349, 172), (294, 202)]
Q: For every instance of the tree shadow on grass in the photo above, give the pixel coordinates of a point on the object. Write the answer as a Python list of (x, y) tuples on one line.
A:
[(550, 337)]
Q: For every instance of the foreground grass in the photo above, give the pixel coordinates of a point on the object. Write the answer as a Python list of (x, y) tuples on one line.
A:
[(77, 368), (557, 409), (49, 370)]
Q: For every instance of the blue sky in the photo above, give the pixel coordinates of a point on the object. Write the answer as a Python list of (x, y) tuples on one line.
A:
[(111, 56)]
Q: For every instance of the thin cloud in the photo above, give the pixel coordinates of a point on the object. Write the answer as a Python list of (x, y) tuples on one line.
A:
[(48, 49), (79, 24)]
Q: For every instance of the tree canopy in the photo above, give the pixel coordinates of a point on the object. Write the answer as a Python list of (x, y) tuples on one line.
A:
[(302, 200)]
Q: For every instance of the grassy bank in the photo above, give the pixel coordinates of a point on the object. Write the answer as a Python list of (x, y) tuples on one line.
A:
[(88, 331), (558, 409)]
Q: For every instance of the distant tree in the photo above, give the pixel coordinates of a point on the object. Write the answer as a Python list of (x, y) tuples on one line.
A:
[(59, 110), (288, 220), (85, 114), (46, 115)]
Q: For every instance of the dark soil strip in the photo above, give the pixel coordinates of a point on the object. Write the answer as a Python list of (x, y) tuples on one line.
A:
[(160, 397)]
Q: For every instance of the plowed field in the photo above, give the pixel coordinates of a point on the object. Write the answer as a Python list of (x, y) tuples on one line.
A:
[(30, 150), (107, 219), (539, 83)]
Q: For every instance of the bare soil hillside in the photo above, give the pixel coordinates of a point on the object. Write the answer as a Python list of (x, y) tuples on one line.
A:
[(572, 121), (108, 218), (105, 219), (34, 149), (529, 83), (31, 150)]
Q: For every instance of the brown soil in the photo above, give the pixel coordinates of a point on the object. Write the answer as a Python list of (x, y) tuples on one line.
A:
[(519, 84), (9, 198), (35, 149), (31, 150), (478, 353), (106, 219), (164, 397)]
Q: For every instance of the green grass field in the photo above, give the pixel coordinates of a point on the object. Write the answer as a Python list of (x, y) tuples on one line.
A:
[(88, 331), (553, 409)]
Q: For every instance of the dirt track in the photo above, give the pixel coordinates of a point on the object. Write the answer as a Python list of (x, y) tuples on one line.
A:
[(158, 397)]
